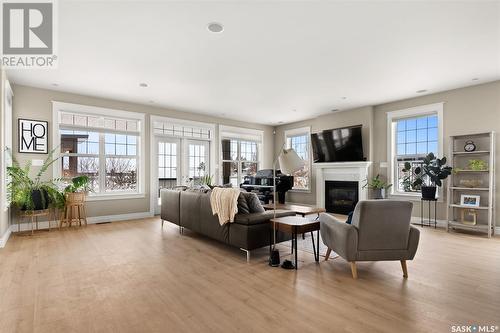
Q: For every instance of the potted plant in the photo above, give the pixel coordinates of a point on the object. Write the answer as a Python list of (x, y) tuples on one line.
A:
[(431, 174), (32, 194), (76, 191), (378, 186), (207, 180)]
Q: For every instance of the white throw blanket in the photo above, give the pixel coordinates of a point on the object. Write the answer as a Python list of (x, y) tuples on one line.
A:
[(224, 202)]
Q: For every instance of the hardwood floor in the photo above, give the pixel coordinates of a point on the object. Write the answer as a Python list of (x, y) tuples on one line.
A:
[(134, 277)]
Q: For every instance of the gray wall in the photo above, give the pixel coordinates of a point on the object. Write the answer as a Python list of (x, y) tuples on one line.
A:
[(466, 110), (36, 103)]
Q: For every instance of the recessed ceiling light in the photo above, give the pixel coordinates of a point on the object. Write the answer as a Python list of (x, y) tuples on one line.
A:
[(215, 27), (143, 85), (151, 101), (294, 110), (335, 110), (280, 122), (343, 97), (475, 79), (421, 91), (55, 84)]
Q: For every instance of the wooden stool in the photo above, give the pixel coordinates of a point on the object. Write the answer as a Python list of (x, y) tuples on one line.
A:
[(74, 211), (34, 215)]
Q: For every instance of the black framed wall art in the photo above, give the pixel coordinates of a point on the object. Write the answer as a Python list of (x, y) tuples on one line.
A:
[(33, 136)]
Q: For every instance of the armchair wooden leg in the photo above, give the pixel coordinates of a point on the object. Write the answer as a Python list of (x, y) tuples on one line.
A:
[(354, 270), (405, 269), (328, 254)]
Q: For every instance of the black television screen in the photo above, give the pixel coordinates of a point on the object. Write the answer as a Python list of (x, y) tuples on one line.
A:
[(338, 145)]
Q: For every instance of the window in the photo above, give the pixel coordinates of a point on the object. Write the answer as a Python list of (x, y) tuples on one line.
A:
[(414, 133), (299, 140), (239, 159), (167, 160), (197, 159), (104, 148)]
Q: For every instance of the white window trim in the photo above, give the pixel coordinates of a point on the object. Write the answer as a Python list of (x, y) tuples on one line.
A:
[(241, 133), (153, 170), (7, 123), (58, 107), (299, 131), (392, 116)]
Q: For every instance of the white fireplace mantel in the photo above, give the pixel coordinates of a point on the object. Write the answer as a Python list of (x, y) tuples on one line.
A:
[(340, 171)]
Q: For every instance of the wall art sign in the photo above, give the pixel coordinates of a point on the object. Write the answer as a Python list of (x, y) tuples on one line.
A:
[(33, 136)]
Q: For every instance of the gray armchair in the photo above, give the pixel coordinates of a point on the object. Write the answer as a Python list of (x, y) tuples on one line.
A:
[(380, 230)]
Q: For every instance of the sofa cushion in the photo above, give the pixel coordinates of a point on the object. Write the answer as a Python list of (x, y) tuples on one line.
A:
[(259, 218)]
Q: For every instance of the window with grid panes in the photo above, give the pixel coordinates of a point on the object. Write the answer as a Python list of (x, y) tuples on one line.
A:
[(103, 148)]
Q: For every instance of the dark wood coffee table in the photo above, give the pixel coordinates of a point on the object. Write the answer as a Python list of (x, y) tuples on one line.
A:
[(296, 225), (301, 210)]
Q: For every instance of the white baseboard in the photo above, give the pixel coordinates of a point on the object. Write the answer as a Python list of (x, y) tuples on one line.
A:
[(90, 220), (5, 238)]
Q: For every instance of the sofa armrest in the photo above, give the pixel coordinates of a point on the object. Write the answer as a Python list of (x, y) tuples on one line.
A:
[(170, 206), (413, 240), (341, 237), (258, 218)]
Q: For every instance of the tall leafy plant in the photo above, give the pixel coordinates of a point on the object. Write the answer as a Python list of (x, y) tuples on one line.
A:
[(432, 172), (22, 189)]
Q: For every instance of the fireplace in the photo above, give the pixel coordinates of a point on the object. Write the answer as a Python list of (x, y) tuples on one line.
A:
[(341, 196)]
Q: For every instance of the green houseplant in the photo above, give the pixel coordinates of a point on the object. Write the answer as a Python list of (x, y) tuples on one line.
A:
[(28, 193), (76, 191), (431, 175), (378, 186)]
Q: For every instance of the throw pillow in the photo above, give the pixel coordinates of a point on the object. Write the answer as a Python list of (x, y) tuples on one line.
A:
[(242, 204), (253, 202)]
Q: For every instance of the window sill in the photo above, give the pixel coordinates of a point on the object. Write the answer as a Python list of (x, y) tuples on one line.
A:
[(411, 197), (115, 196)]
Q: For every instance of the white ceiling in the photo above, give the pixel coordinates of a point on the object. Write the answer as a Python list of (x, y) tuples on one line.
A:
[(275, 61)]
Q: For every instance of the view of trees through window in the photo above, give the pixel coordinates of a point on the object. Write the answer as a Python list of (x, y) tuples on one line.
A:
[(300, 143), (415, 138), (239, 159), (82, 155)]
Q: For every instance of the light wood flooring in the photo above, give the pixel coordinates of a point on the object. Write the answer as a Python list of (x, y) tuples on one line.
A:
[(134, 277)]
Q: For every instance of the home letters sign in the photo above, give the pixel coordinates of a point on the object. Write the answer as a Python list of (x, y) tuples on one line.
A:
[(33, 136)]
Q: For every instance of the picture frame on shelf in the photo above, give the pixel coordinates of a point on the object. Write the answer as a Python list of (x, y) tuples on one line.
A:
[(469, 200)]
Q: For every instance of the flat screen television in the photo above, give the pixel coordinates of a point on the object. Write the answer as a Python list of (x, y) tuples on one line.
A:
[(338, 145)]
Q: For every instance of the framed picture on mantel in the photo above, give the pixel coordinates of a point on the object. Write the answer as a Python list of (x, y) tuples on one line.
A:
[(33, 136)]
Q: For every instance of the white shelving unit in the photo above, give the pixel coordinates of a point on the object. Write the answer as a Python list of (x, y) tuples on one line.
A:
[(459, 158)]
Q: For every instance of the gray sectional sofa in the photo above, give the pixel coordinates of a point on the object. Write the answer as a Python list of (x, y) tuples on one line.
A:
[(192, 210)]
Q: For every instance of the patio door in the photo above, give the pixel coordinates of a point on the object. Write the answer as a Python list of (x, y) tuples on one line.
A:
[(168, 165), (196, 154)]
